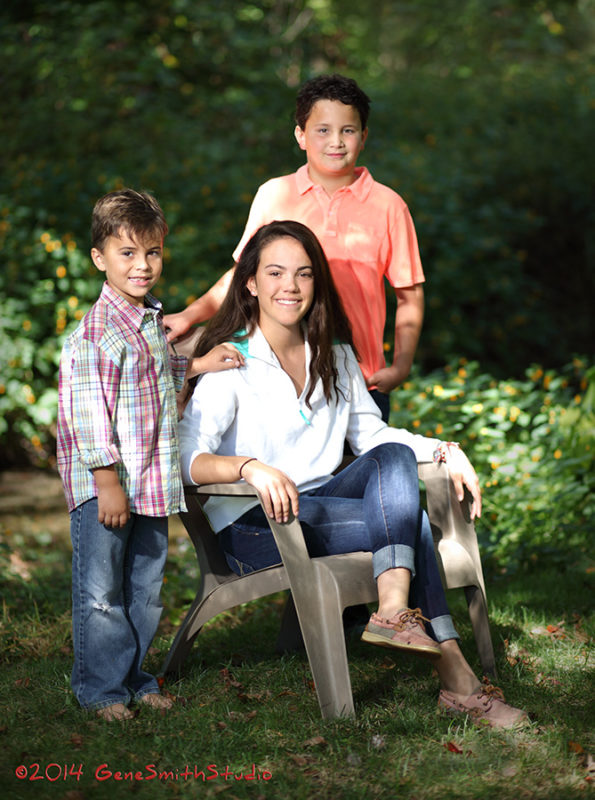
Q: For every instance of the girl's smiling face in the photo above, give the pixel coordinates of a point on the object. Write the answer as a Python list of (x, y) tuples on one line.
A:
[(283, 283)]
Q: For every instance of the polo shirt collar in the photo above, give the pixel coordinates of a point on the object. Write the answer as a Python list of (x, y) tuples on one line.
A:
[(134, 315), (360, 188)]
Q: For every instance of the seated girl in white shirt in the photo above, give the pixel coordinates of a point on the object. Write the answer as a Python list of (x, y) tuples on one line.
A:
[(280, 423)]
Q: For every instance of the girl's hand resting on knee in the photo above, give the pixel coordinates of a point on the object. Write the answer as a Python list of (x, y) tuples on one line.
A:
[(463, 475), (279, 493)]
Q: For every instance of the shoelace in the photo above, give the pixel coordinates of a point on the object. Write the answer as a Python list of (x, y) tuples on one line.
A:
[(413, 616), (491, 693)]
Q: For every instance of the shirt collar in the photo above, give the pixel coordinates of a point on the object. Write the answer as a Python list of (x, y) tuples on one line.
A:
[(360, 188), (134, 315), (259, 348)]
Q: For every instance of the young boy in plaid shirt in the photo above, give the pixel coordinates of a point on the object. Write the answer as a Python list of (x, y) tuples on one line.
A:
[(118, 457)]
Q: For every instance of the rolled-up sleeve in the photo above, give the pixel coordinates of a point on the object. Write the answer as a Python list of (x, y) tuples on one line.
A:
[(93, 391)]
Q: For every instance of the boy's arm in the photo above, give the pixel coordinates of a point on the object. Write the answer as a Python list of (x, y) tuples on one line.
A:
[(408, 322), (221, 357), (112, 503), (202, 309)]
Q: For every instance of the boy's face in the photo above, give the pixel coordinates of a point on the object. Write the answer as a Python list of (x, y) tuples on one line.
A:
[(333, 139), (132, 266)]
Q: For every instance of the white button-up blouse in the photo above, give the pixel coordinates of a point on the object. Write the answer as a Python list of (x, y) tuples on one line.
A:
[(255, 411)]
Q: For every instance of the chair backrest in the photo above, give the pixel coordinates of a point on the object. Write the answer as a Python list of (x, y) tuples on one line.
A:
[(185, 346)]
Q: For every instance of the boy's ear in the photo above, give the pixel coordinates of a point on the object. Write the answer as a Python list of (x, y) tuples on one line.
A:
[(364, 137), (300, 137), (97, 257)]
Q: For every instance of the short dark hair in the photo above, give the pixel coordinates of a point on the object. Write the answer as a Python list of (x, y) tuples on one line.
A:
[(137, 212), (331, 87)]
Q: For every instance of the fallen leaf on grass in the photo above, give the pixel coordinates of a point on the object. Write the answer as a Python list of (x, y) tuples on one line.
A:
[(315, 741), (517, 655), (22, 683), (575, 747), (236, 715), (554, 631), (300, 760), (229, 680), (76, 740), (541, 678), (452, 747)]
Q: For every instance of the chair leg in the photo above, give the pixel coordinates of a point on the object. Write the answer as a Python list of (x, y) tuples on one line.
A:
[(290, 639), (183, 641), (478, 613), (322, 628)]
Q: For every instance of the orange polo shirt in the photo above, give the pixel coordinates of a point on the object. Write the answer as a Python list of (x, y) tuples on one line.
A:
[(367, 234)]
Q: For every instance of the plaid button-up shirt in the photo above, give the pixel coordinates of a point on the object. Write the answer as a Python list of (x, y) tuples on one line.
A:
[(117, 405)]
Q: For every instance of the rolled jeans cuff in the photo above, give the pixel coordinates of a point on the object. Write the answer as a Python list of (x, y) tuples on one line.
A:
[(443, 628), (394, 555)]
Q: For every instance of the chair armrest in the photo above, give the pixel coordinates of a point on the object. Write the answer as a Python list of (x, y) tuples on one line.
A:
[(288, 536), (229, 489)]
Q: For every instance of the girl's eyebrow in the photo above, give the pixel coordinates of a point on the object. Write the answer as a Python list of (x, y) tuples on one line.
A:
[(280, 266)]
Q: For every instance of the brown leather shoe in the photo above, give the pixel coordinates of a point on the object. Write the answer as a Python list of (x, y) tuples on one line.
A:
[(405, 631)]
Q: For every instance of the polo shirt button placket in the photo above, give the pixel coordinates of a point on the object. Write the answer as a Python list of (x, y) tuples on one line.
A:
[(331, 222)]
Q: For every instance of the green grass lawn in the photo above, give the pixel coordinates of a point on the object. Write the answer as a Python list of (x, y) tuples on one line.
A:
[(247, 722)]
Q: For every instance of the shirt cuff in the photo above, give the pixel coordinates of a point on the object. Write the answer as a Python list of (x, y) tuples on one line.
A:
[(102, 457)]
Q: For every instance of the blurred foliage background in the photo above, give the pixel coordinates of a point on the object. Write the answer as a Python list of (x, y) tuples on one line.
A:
[(482, 118)]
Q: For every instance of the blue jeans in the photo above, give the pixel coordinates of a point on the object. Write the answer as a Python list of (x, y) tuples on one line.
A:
[(117, 575), (372, 505)]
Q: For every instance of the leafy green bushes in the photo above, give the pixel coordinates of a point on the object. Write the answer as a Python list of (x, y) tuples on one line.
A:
[(532, 442), (46, 285), (483, 125)]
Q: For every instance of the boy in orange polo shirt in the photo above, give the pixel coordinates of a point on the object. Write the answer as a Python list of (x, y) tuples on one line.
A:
[(364, 227)]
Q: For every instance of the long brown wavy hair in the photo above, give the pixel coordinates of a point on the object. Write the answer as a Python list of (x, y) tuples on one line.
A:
[(326, 321)]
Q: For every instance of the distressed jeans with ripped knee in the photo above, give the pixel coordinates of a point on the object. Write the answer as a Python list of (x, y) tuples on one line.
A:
[(117, 575)]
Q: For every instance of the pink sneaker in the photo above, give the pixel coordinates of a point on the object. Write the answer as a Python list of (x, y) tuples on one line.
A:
[(486, 706), (405, 631)]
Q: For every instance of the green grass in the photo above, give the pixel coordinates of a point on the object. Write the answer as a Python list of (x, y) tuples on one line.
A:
[(241, 704)]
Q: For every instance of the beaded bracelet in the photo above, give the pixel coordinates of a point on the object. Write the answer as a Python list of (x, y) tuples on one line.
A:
[(441, 452), (247, 461)]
